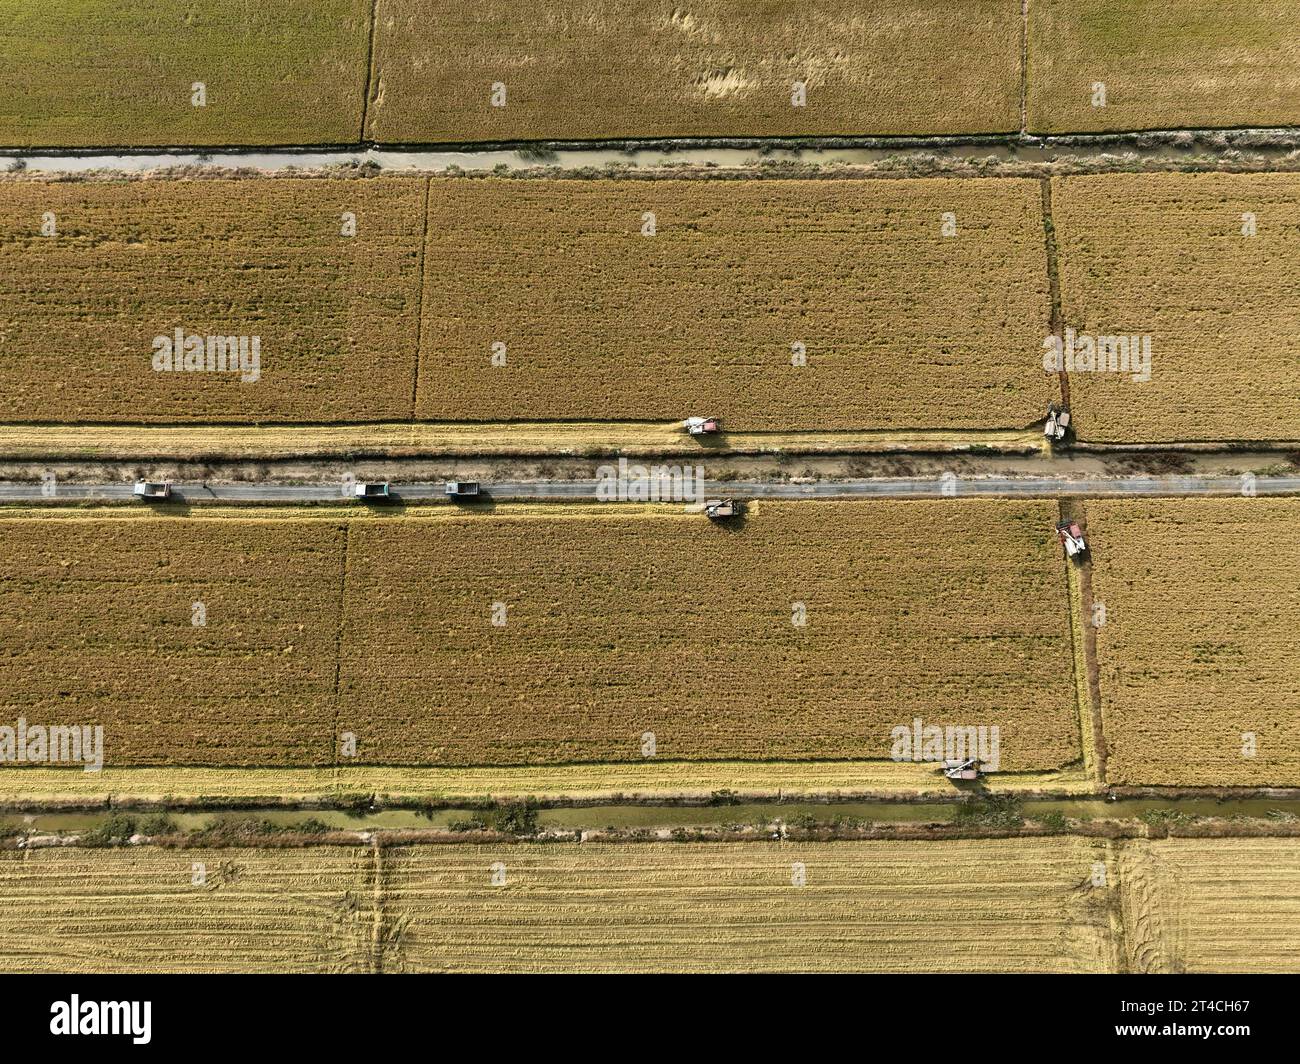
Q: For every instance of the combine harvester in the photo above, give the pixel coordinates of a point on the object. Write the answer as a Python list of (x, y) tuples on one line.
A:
[(723, 509), (702, 426), (1058, 422), (1071, 537), (956, 769)]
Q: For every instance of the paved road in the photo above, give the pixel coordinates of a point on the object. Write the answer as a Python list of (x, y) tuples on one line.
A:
[(959, 487)]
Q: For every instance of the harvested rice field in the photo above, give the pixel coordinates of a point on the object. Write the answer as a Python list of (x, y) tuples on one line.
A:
[(898, 325), (1199, 650), (504, 71), (818, 644), (89, 315), (871, 906), (1211, 905), (94, 73), (1165, 64), (140, 910), (1205, 266)]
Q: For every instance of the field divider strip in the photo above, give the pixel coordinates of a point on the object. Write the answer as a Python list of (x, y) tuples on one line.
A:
[(1056, 315), (370, 67), (419, 304), (1083, 706), (338, 644), (1087, 631), (1024, 68)]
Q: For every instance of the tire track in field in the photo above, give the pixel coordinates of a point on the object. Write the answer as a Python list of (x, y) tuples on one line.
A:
[(1155, 933), (1056, 317), (1024, 68), (370, 68), (1083, 627)]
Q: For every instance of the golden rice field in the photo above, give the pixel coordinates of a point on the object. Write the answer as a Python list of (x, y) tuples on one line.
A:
[(131, 261), (99, 622), (900, 325), (1164, 255), (645, 68), (618, 622), (1201, 639), (1211, 905), (139, 910), (1166, 64), (623, 622), (903, 329), (991, 905), (78, 73)]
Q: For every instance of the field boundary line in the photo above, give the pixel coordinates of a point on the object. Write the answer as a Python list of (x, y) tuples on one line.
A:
[(370, 67), (1055, 314), (419, 304), (377, 904), (1092, 672), (1116, 850), (338, 642), (1079, 658), (1024, 68)]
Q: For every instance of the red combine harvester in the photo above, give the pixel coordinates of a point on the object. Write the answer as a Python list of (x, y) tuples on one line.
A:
[(1071, 537)]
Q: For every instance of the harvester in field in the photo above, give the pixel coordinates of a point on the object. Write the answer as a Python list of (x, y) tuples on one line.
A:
[(723, 509), (957, 769), (702, 426), (1058, 421), (1071, 537)]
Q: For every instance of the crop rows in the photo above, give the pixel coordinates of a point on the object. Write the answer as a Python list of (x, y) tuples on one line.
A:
[(1012, 905), (335, 317), (141, 910), (594, 320), (1211, 905), (900, 325)]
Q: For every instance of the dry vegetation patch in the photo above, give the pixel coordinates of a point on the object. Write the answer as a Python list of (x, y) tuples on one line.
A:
[(998, 905), (618, 621), (139, 910), (1211, 905), (99, 628)]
